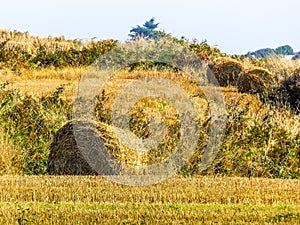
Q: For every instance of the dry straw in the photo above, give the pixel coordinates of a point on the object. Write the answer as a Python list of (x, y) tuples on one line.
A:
[(255, 80), (65, 156), (226, 70), (68, 154)]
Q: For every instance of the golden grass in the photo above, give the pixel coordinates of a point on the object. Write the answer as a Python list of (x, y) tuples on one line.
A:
[(257, 110), (279, 67), (29, 43), (43, 82), (8, 155), (197, 200)]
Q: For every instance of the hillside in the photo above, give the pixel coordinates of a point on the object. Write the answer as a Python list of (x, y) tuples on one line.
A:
[(39, 78)]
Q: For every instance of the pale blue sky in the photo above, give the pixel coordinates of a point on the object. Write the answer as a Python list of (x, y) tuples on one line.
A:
[(235, 26)]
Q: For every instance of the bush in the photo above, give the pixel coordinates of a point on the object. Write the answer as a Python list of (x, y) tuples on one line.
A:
[(30, 123), (257, 147), (52, 54)]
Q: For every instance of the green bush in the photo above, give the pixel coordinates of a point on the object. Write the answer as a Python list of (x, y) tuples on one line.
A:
[(258, 148), (31, 123), (16, 58)]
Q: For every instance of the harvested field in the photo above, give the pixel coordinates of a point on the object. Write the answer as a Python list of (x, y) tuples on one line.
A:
[(196, 200)]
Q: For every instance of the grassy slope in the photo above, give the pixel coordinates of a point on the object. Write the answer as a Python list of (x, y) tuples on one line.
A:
[(92, 200), (44, 82)]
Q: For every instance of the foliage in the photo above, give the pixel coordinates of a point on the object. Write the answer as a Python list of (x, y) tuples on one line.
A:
[(269, 52), (291, 88), (257, 148), (262, 53), (284, 50), (21, 51), (254, 147), (147, 31), (288, 93), (30, 123), (205, 51), (296, 56)]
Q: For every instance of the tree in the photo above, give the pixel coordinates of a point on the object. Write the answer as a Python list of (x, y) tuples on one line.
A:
[(269, 52), (263, 53), (296, 56), (147, 31), (284, 50)]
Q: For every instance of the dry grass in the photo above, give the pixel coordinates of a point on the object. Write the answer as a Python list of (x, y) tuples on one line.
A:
[(66, 157), (197, 200), (29, 43), (8, 155), (44, 81), (279, 67)]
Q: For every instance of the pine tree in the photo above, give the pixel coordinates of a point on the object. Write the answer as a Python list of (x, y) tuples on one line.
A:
[(147, 31)]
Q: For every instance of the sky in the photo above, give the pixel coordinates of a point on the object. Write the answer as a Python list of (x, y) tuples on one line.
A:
[(234, 26)]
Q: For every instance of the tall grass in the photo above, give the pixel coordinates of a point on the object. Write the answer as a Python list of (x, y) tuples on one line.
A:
[(260, 140), (29, 124), (42, 75)]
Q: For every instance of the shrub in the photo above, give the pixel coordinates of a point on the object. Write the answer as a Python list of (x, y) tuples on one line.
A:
[(257, 147), (286, 95), (30, 123)]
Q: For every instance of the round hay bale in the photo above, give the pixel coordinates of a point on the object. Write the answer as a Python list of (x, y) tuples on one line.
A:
[(66, 158), (254, 80), (226, 70), (251, 83), (263, 73), (99, 139), (290, 88)]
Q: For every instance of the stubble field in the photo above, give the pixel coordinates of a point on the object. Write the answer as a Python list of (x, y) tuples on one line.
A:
[(180, 200)]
